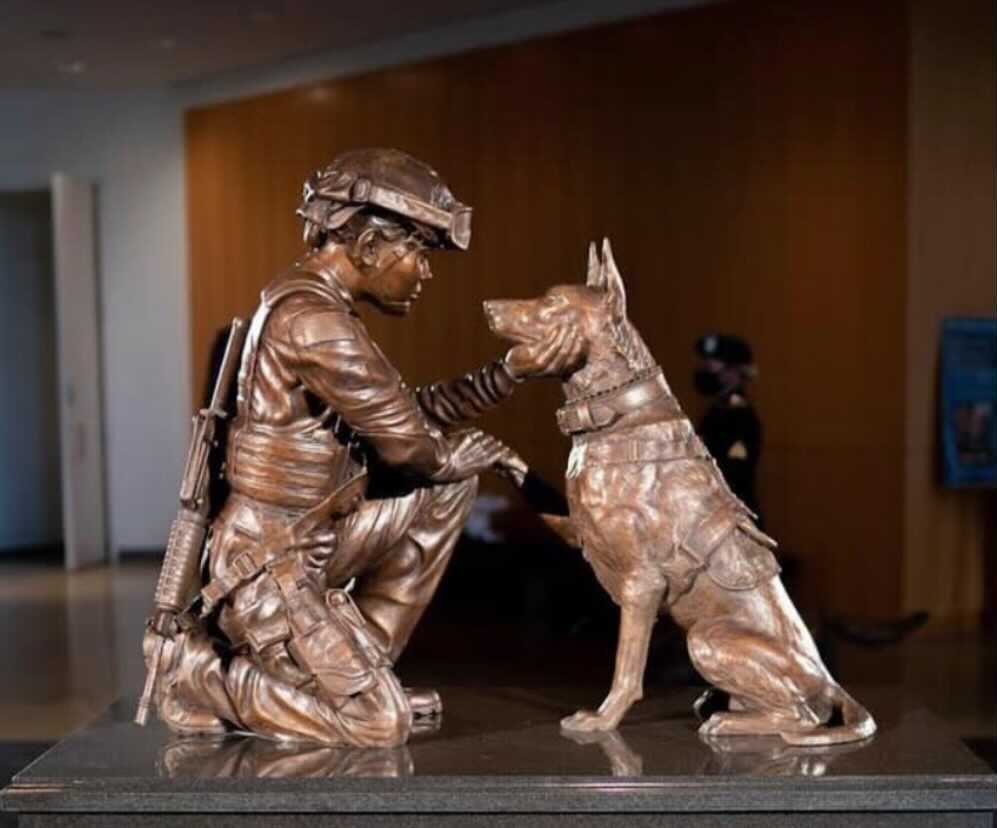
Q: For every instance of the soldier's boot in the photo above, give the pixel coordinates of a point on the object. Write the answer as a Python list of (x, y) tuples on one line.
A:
[(190, 696), (425, 702)]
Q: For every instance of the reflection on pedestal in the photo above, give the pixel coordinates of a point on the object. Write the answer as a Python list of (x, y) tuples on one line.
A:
[(770, 756), (729, 756), (250, 757)]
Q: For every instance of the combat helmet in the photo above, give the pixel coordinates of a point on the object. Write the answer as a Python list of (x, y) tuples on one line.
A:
[(392, 181)]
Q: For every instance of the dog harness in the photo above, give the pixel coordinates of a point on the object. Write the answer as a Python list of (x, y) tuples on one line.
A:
[(672, 440), (722, 541)]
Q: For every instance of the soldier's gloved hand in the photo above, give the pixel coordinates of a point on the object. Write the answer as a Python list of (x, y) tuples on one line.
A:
[(513, 467), (552, 356), (318, 545), (472, 452)]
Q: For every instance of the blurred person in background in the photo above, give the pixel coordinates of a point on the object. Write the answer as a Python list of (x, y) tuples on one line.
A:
[(730, 428)]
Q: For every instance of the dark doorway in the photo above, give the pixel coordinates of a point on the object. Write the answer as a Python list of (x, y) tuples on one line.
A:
[(30, 473)]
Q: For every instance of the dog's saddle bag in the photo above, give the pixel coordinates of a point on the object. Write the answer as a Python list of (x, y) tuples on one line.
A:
[(736, 554)]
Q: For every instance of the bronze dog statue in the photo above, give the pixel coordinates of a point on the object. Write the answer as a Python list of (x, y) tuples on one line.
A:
[(663, 532)]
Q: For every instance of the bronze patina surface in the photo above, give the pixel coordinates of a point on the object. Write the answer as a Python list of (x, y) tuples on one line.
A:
[(663, 532), (348, 489)]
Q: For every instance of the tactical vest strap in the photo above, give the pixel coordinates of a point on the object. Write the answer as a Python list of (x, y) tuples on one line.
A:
[(268, 300)]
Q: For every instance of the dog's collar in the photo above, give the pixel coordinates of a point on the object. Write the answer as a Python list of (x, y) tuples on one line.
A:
[(599, 410)]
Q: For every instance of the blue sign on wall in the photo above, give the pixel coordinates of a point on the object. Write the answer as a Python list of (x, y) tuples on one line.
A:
[(969, 402)]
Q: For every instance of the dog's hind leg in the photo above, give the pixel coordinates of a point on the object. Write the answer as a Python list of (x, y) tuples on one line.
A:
[(637, 617), (777, 691)]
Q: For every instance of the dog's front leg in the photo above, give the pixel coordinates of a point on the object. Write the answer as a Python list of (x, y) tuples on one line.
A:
[(637, 617)]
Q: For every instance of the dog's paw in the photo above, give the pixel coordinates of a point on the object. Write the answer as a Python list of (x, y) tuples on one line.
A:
[(724, 724), (712, 727), (585, 721)]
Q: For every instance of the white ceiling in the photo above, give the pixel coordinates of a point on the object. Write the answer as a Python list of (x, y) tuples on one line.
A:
[(101, 44)]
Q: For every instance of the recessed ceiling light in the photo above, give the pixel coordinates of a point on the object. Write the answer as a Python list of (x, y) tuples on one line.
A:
[(73, 67)]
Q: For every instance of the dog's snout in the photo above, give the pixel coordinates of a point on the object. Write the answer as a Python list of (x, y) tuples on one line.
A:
[(511, 319), (497, 313), (495, 306), (489, 308)]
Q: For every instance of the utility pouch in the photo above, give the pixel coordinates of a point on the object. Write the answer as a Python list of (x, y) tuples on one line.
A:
[(329, 639), (744, 559), (266, 632), (350, 667), (712, 530)]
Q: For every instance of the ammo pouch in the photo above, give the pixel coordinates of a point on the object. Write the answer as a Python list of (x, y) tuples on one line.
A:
[(329, 638), (736, 554)]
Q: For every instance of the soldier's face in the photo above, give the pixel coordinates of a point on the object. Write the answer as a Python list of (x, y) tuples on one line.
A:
[(394, 278)]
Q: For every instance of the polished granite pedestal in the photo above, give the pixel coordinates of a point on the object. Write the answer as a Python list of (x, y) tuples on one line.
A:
[(498, 759)]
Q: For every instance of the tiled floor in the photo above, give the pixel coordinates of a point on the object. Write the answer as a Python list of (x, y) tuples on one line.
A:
[(70, 646)]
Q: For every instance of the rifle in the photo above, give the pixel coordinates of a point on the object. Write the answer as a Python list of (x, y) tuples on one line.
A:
[(178, 576)]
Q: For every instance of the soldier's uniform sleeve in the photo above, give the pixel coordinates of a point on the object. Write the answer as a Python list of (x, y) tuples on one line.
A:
[(339, 363), (468, 396)]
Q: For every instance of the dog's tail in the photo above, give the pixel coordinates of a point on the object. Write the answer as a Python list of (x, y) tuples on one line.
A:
[(857, 724)]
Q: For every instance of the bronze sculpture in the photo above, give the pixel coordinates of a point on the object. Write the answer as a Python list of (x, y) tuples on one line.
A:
[(662, 531), (322, 418)]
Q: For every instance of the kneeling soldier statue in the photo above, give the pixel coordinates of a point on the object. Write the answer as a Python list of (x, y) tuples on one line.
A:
[(322, 421)]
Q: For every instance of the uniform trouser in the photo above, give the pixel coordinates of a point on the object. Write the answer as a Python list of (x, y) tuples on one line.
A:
[(398, 549), (294, 679)]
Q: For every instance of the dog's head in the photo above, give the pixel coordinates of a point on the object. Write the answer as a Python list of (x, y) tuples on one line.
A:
[(592, 309)]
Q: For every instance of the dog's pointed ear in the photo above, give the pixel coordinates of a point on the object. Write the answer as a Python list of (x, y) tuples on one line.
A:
[(616, 294), (593, 278)]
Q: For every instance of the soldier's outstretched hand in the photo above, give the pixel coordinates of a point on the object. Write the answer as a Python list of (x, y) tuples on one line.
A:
[(473, 451), (549, 357)]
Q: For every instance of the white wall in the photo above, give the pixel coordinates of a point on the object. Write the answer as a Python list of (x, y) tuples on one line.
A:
[(131, 144)]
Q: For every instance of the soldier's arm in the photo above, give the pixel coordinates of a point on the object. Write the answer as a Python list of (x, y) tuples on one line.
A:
[(468, 396), (464, 398), (337, 361)]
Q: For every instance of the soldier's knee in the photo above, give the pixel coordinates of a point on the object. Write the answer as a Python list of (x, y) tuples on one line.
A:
[(467, 492), (469, 487), (457, 496), (406, 558)]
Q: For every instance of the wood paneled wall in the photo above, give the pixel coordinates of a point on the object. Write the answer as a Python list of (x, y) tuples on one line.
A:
[(951, 534), (748, 162)]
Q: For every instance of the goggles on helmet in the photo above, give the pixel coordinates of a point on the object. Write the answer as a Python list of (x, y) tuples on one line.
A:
[(350, 195)]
